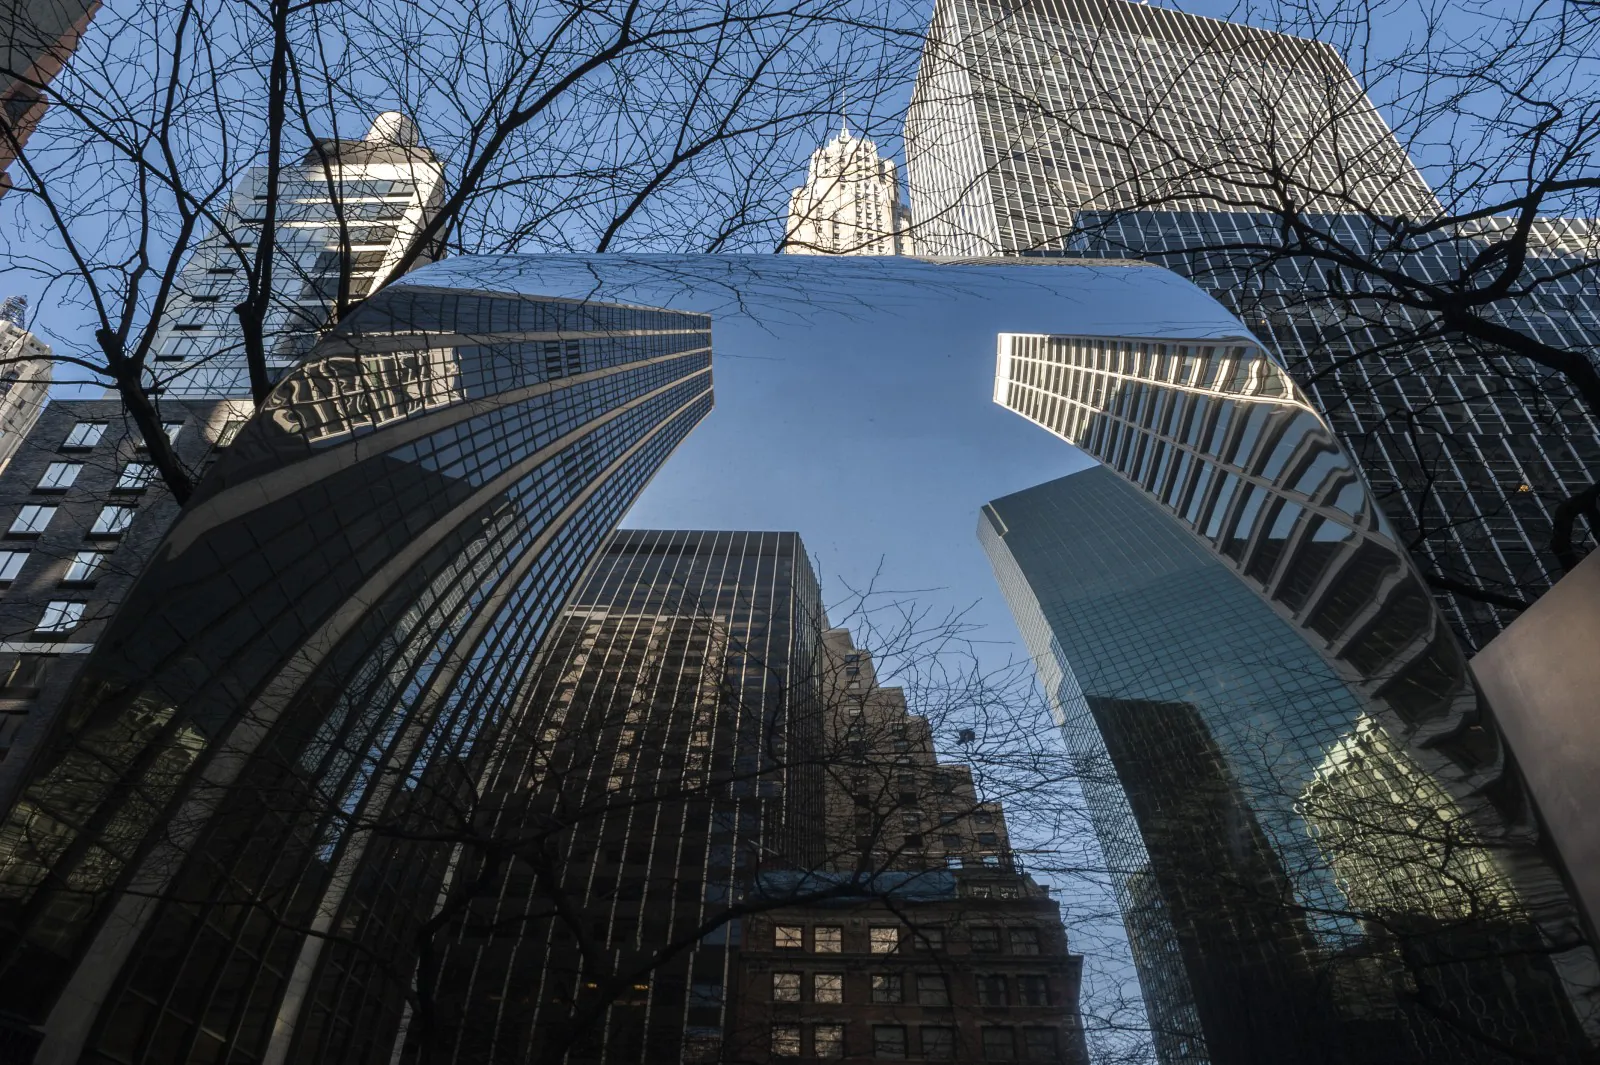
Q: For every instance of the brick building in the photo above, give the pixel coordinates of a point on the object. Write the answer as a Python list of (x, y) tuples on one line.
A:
[(81, 510), (945, 951)]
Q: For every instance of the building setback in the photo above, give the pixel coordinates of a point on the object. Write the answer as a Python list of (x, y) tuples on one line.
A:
[(1321, 850), (208, 856), (950, 952), (1105, 127)]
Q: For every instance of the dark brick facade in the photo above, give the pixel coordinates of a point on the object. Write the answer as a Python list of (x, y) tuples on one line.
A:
[(36, 667)]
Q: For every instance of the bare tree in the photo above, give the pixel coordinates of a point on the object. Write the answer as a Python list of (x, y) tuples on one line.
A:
[(585, 126)]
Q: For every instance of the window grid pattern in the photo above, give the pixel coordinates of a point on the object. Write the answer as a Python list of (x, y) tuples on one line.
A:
[(382, 719)]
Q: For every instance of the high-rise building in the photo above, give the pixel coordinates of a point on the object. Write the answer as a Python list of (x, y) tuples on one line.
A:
[(209, 855), (949, 951), (345, 215), (36, 40), (664, 749), (26, 368), (1319, 844), (850, 203), (1106, 127)]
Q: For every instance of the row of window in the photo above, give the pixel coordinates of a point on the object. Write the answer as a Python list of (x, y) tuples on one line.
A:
[(926, 989), (60, 476), (33, 520), (85, 567), (933, 1042), (888, 939)]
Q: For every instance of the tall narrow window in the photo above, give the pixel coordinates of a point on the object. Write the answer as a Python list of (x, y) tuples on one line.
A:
[(827, 1041)]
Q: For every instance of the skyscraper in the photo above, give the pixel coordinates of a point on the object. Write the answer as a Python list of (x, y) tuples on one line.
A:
[(664, 748), (210, 854), (1105, 127), (26, 368), (850, 203), (349, 209), (1302, 804)]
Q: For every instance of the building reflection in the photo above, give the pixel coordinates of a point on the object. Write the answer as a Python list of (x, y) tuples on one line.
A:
[(209, 858), (1230, 619)]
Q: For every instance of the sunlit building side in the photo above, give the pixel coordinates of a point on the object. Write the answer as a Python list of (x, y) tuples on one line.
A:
[(850, 203), (1234, 571), (204, 862)]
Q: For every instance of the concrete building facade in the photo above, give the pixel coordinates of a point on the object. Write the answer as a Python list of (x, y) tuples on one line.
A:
[(850, 203)]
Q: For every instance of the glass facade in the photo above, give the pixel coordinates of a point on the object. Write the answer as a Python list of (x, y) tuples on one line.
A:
[(664, 747), (323, 646), (1318, 847), (1053, 127)]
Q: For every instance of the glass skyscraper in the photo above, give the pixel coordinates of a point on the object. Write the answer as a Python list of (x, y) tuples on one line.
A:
[(666, 747), (1320, 851), (1111, 128), (211, 858)]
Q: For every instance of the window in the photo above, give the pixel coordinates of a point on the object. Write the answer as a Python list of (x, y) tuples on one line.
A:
[(986, 940), (705, 993), (1040, 1044), (988, 839), (85, 435), (84, 567), (1024, 941), (786, 987), (113, 521), (999, 1045), (932, 990), (939, 1044), (702, 1043), (230, 429), (951, 843), (172, 429), (888, 1041), (11, 564), (135, 477), (983, 817), (885, 940), (1033, 991), (31, 521), (827, 1041), (58, 476), (886, 987), (990, 859), (827, 939), (61, 615), (789, 937), (827, 987), (992, 991), (786, 1040), (929, 938)]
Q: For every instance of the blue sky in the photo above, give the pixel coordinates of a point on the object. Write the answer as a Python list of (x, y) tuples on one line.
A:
[(853, 400)]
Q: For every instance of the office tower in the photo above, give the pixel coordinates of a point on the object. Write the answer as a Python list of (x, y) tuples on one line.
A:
[(850, 203), (950, 952), (86, 511), (230, 838), (1104, 127), (1320, 848), (664, 748), (26, 368), (350, 207), (36, 40)]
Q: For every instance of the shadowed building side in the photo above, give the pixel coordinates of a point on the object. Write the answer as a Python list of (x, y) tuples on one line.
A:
[(319, 649)]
